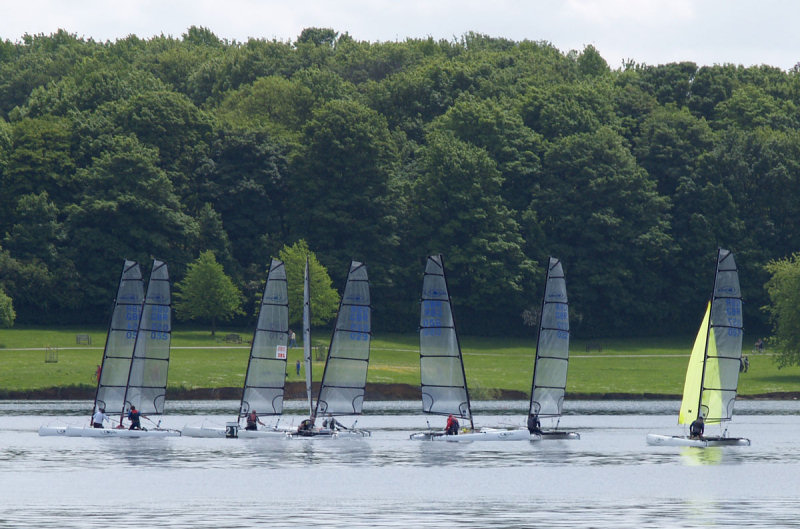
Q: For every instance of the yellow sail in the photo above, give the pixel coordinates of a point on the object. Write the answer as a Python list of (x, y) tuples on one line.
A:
[(694, 374), (712, 400)]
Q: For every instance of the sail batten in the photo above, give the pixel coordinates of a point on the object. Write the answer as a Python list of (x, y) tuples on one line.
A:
[(266, 368), (120, 340), (549, 382), (344, 379), (442, 379), (147, 378)]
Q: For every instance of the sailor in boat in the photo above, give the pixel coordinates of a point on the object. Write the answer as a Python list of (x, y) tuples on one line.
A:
[(99, 417), (697, 428), (333, 425), (253, 421), (134, 416), (534, 426), (306, 427), (451, 428)]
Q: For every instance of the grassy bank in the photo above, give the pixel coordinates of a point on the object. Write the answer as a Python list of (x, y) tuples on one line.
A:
[(620, 366)]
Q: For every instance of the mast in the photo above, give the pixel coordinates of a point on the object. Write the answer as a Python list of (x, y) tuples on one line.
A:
[(345, 376), (266, 367), (442, 378), (120, 338), (549, 381), (307, 338), (147, 378)]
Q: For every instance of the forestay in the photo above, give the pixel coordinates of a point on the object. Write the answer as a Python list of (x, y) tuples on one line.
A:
[(121, 338), (552, 346), (345, 376), (266, 368), (442, 379), (147, 379)]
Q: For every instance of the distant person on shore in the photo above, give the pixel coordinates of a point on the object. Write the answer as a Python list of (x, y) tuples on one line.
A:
[(697, 428), (759, 345), (97, 373), (292, 339), (451, 428), (297, 367), (99, 418), (134, 415), (253, 421)]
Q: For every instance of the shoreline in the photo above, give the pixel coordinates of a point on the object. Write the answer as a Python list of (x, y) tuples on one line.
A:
[(374, 392)]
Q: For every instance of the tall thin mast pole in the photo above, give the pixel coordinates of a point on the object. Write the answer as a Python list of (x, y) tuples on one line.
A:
[(708, 333), (307, 338)]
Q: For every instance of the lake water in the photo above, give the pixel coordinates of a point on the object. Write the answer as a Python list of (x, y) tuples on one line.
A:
[(609, 478)]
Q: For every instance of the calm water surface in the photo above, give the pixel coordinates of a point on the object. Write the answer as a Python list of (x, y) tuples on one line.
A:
[(610, 478)]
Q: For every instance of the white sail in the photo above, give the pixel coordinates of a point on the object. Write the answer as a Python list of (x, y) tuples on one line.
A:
[(345, 376), (147, 378), (442, 379), (121, 338), (266, 368), (552, 346), (307, 337)]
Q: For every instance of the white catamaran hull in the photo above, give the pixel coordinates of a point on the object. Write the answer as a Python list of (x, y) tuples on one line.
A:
[(47, 431), (329, 434), (682, 440), (554, 435), (486, 434), (85, 431)]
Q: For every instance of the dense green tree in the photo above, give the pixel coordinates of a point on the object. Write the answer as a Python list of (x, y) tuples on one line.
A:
[(323, 297), (206, 293), (246, 182), (342, 187), (514, 147), (604, 219), (128, 210), (459, 213), (784, 299), (7, 314)]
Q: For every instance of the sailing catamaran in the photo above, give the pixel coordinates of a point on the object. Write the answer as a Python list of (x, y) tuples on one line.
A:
[(118, 350), (266, 369), (442, 378), (345, 376), (712, 376), (552, 355)]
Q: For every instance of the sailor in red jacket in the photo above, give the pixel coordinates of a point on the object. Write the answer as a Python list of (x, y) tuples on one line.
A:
[(452, 426)]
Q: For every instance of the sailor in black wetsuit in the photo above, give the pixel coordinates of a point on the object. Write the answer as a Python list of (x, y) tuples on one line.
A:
[(697, 428), (534, 426)]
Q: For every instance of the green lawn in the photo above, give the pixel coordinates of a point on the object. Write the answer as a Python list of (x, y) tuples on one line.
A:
[(631, 366)]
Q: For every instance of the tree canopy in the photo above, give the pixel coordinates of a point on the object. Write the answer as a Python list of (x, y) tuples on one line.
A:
[(494, 152), (207, 293)]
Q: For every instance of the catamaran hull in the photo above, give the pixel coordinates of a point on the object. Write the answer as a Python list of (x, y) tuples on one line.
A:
[(560, 436), (76, 431), (682, 440), (263, 434), (328, 434), (483, 435), (48, 431), (202, 431)]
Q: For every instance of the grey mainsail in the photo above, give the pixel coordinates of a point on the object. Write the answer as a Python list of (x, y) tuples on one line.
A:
[(442, 379), (266, 368), (345, 376), (552, 346), (120, 340), (147, 378), (724, 344)]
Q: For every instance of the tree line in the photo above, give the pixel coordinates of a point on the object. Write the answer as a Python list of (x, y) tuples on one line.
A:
[(495, 153)]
